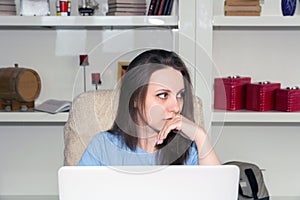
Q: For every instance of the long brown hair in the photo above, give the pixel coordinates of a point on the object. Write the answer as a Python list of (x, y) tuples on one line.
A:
[(134, 86)]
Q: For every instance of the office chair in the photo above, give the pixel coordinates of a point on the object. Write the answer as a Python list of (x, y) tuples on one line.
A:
[(91, 113)]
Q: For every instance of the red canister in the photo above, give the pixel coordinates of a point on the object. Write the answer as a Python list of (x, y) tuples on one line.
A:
[(230, 92), (261, 96), (288, 99)]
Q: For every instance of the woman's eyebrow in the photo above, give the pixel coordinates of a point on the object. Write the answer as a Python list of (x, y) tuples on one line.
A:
[(168, 90), (163, 90), (182, 90)]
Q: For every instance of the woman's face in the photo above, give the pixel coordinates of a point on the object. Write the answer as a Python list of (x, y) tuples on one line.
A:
[(164, 97)]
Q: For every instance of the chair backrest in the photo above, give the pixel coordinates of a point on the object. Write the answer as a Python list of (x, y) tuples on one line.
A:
[(91, 113)]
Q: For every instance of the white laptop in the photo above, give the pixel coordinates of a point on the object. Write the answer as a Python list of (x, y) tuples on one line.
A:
[(149, 183)]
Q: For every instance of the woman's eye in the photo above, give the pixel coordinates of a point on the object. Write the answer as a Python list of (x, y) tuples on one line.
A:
[(180, 95), (162, 95)]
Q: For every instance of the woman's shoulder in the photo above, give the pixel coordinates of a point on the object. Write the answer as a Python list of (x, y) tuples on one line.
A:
[(106, 136)]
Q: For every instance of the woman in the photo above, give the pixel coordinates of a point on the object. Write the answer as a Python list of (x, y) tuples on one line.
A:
[(154, 124)]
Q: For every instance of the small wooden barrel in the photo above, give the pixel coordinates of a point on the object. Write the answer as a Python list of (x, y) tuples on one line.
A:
[(20, 84)]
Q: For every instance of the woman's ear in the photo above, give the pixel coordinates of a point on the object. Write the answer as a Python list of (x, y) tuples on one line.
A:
[(134, 104)]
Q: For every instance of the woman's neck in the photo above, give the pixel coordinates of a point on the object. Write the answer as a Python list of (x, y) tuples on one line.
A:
[(147, 144), (147, 139)]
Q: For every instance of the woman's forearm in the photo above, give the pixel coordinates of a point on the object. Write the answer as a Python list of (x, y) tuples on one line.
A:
[(206, 153)]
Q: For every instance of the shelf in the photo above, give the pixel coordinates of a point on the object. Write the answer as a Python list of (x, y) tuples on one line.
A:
[(53, 197), (29, 197), (252, 116), (77, 22), (36, 117), (259, 21)]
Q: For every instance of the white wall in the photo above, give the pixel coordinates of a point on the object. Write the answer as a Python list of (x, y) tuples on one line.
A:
[(54, 54), (30, 157)]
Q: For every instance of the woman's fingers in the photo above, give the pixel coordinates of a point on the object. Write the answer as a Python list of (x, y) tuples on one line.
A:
[(185, 127), (174, 124)]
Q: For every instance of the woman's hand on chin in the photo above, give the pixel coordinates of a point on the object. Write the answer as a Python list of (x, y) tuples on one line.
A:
[(183, 126)]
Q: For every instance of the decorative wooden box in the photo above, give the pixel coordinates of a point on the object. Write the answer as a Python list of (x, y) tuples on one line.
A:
[(19, 87), (261, 96), (288, 99), (230, 92)]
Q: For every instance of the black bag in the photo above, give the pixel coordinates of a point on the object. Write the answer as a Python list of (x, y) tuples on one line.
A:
[(252, 184)]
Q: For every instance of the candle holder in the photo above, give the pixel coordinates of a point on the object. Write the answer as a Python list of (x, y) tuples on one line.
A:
[(96, 80), (83, 61)]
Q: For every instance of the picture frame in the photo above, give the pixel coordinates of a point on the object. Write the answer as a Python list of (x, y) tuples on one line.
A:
[(122, 67), (34, 8)]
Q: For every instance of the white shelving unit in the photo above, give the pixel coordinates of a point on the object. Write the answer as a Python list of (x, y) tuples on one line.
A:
[(262, 47), (75, 23), (256, 23)]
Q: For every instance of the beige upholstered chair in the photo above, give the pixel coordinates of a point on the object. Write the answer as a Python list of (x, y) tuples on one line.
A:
[(91, 113)]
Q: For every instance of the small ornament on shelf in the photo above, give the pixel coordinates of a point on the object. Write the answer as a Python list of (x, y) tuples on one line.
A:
[(19, 88), (34, 8), (288, 7), (88, 7), (63, 7)]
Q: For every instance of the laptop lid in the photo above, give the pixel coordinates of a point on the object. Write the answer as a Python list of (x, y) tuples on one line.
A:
[(149, 183)]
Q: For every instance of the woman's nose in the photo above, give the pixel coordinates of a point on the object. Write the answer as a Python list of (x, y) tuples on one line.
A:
[(174, 104)]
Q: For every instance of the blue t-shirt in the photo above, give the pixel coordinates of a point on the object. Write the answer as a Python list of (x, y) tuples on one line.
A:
[(109, 150)]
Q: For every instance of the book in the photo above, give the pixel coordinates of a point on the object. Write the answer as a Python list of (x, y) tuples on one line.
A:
[(242, 8), (165, 11), (7, 2), (151, 7), (54, 106), (121, 9), (156, 7), (170, 7), (242, 13), (242, 3), (126, 5), (8, 13), (127, 1), (161, 7), (125, 13), (7, 7), (242, 0)]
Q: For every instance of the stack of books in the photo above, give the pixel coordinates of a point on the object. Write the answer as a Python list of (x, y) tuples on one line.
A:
[(242, 8), (126, 7), (7, 7), (160, 7)]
